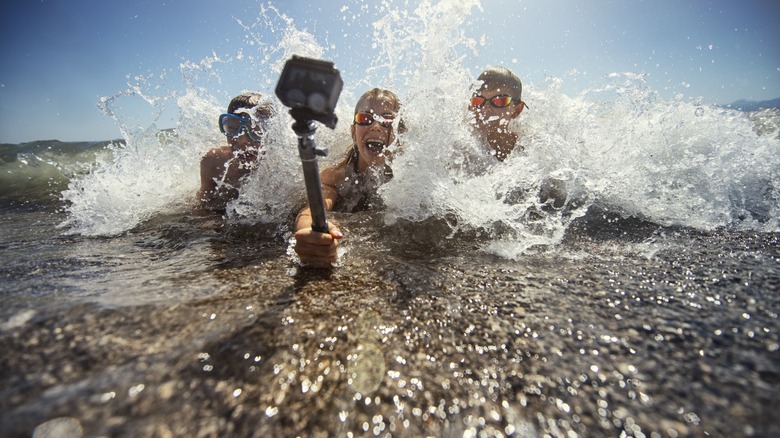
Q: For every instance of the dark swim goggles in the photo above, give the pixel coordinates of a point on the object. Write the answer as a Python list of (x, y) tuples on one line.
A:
[(233, 126)]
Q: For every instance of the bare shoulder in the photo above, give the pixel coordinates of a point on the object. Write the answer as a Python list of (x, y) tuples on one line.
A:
[(218, 153), (213, 164), (214, 160), (331, 175)]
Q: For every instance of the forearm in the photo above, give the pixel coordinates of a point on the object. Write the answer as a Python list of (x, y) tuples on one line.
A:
[(303, 220), (317, 248)]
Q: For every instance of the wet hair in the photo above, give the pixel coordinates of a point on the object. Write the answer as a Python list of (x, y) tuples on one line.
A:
[(248, 101), (380, 94), (386, 95), (503, 78)]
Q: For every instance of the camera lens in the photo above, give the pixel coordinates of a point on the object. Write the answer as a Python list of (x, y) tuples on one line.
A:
[(296, 97), (317, 102)]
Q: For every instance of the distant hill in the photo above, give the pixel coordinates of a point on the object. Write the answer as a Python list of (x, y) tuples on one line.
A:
[(751, 105)]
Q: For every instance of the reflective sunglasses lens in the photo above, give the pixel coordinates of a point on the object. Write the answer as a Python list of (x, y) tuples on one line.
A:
[(386, 119), (477, 101), (501, 101), (364, 119)]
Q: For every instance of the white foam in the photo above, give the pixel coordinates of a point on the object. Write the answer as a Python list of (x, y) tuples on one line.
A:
[(619, 144)]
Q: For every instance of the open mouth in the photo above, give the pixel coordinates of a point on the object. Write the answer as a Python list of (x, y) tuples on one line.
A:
[(375, 146)]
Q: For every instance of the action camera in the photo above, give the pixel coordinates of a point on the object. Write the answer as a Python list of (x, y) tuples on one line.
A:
[(311, 88)]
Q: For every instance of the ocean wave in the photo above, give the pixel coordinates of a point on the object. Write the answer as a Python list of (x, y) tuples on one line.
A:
[(617, 146), (38, 171)]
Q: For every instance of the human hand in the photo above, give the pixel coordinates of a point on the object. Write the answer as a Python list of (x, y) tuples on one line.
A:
[(318, 249)]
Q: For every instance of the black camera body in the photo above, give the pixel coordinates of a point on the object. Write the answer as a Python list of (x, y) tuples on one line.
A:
[(311, 88)]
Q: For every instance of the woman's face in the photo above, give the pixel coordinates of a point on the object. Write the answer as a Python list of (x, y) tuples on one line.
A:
[(372, 139)]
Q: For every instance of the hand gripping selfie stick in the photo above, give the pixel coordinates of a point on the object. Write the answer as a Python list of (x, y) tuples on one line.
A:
[(311, 88)]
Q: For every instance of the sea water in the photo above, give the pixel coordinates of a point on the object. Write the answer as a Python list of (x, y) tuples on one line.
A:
[(619, 145), (646, 305)]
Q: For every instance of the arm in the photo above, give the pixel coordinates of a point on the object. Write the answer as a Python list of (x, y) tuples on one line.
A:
[(212, 169), (319, 249)]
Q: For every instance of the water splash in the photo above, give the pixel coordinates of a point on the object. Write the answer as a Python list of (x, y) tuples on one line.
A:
[(676, 162), (619, 145)]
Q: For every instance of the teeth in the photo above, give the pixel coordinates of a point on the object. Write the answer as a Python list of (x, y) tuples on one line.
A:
[(375, 145)]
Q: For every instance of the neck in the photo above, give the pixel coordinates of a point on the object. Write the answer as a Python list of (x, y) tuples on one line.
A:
[(503, 143), (363, 163)]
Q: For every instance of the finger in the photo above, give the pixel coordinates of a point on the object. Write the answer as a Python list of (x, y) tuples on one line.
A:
[(307, 236), (317, 256), (334, 231), (315, 250)]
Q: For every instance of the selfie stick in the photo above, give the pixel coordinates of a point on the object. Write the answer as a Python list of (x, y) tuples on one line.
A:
[(311, 88), (309, 152)]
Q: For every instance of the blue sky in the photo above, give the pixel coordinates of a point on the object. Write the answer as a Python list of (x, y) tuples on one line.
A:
[(60, 57)]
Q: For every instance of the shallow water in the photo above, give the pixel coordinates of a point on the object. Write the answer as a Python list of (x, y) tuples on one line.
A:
[(184, 326), (646, 306)]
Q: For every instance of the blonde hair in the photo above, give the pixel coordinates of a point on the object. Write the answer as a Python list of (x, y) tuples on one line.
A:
[(380, 94)]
